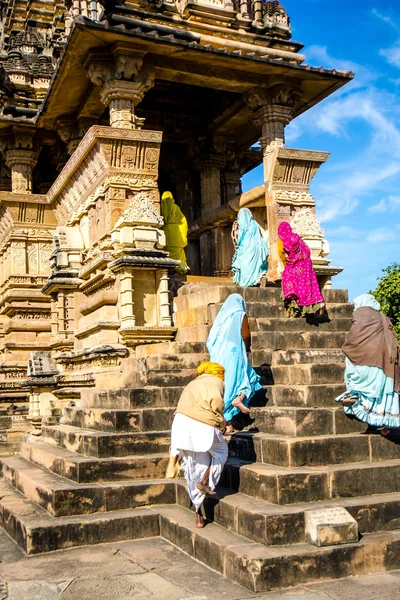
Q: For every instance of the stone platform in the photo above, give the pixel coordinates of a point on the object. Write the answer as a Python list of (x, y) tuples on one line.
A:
[(99, 476)]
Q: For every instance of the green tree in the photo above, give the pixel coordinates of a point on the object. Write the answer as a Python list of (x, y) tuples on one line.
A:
[(388, 294)]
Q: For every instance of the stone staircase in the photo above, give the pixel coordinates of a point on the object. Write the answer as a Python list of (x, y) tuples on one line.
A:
[(99, 477)]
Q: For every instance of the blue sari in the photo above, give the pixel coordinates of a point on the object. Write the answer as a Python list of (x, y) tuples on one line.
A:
[(250, 261), (226, 347), (375, 400)]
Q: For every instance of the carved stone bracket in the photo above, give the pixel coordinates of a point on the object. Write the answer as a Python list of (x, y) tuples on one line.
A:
[(72, 130), (124, 81)]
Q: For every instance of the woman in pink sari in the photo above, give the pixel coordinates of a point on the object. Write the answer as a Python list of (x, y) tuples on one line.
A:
[(299, 282)]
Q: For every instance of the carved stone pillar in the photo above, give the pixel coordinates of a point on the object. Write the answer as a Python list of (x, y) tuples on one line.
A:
[(21, 163), (21, 157), (210, 167), (273, 109), (163, 294), (121, 97), (184, 192)]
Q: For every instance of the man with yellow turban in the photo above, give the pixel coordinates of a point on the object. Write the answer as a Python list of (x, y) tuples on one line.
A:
[(175, 229), (196, 436)]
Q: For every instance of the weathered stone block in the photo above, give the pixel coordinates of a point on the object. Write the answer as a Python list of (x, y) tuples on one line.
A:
[(330, 526)]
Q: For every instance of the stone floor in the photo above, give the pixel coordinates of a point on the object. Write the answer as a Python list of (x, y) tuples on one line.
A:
[(152, 569)]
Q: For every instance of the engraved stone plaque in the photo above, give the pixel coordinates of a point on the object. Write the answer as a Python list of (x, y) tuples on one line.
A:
[(330, 526)]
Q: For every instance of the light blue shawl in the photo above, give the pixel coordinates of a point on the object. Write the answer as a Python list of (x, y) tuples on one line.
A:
[(226, 347), (375, 401), (366, 300), (250, 261)]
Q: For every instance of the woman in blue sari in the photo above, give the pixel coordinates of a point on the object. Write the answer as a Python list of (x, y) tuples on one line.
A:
[(250, 261), (228, 343), (372, 368)]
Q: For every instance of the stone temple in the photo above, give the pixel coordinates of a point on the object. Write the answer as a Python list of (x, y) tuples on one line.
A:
[(104, 106)]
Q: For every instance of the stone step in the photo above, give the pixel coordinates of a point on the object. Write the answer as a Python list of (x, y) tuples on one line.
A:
[(280, 485), (99, 419), (301, 374), (302, 395), (253, 565), (174, 362), (168, 378), (83, 469), (258, 310), (62, 497), (272, 525), (9, 448), (205, 314), (296, 340), (197, 295), (301, 422), (102, 444), (301, 325), (262, 568), (311, 451), (169, 348), (302, 357), (195, 333), (36, 531), (131, 398)]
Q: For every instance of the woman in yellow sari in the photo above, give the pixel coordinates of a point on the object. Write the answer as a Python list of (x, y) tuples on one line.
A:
[(175, 229)]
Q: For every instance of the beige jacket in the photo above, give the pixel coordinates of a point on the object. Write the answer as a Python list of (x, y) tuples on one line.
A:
[(203, 400)]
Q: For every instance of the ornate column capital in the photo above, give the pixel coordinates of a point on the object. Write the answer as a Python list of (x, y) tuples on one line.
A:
[(122, 96), (273, 108), (21, 153), (123, 79)]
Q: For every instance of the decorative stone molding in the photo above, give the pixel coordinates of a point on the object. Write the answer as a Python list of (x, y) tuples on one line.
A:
[(108, 165)]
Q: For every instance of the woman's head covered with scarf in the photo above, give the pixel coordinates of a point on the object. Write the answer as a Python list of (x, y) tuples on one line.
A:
[(169, 210), (287, 235), (211, 368), (366, 300)]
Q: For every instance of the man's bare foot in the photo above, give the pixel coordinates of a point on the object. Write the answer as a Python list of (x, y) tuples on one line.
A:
[(204, 489), (239, 404), (200, 520)]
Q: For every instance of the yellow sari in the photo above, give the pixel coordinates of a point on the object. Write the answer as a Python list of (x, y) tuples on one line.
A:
[(175, 229)]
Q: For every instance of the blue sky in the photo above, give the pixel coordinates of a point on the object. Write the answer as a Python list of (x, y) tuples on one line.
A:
[(358, 190)]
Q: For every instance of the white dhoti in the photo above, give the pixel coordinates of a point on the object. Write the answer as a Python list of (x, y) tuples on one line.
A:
[(199, 446)]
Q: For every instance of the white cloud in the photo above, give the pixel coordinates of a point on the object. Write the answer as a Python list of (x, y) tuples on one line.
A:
[(390, 204), (383, 234), (392, 54), (380, 207), (386, 19), (394, 202)]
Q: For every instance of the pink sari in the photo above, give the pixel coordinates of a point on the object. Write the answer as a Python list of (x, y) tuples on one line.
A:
[(299, 282)]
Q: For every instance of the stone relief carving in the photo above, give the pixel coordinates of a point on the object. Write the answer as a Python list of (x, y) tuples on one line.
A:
[(305, 223), (141, 210)]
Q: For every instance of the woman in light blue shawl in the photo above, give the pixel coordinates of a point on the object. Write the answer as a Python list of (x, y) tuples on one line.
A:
[(372, 368), (226, 347), (250, 261)]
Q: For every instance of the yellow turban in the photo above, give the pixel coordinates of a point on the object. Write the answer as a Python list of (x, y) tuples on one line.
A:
[(211, 368)]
